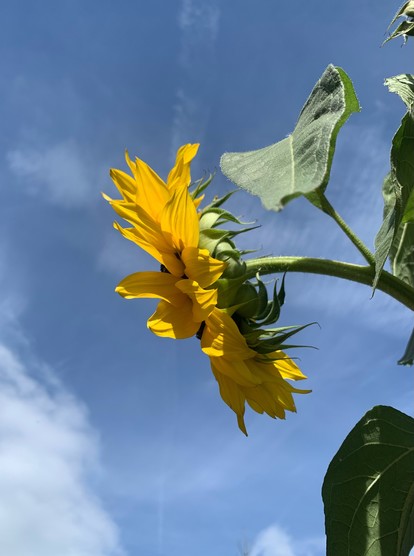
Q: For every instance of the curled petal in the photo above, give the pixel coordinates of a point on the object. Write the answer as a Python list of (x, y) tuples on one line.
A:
[(173, 322), (203, 301), (202, 268), (180, 173), (221, 338), (151, 284)]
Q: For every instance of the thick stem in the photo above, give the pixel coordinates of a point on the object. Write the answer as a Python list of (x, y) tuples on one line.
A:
[(387, 283)]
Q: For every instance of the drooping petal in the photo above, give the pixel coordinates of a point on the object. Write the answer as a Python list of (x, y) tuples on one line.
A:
[(286, 366), (236, 370), (202, 268), (151, 284), (173, 322), (261, 397), (203, 301), (231, 394), (179, 220), (221, 337), (180, 173)]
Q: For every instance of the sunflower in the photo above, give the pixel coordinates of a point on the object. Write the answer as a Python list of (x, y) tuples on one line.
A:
[(165, 224)]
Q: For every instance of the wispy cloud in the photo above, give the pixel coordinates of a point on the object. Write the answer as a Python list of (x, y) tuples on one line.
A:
[(275, 541), (58, 174), (199, 23)]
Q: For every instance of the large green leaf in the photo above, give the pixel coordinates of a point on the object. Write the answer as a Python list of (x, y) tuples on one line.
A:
[(299, 164), (398, 191), (368, 491)]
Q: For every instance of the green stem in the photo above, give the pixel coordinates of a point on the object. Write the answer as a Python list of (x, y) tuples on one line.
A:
[(387, 283), (360, 245)]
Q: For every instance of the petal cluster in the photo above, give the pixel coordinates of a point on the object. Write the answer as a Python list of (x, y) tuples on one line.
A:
[(164, 222), (244, 375)]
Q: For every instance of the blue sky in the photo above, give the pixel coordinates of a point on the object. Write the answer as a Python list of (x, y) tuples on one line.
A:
[(113, 441)]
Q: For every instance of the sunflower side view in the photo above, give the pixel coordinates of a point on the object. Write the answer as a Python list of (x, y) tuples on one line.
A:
[(204, 286)]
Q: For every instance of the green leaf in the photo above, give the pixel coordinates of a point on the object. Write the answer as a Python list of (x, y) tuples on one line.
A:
[(403, 86), (299, 164), (406, 28), (368, 491), (408, 357), (398, 192), (402, 253)]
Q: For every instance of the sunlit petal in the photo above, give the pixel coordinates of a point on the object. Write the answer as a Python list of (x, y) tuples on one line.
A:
[(179, 220), (221, 337), (231, 394), (180, 173), (151, 284), (203, 301), (172, 322), (202, 268), (126, 185)]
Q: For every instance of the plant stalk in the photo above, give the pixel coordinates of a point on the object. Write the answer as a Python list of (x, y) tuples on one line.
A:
[(387, 283), (359, 244)]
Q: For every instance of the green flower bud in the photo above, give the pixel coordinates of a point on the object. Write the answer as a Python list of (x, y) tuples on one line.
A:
[(226, 251), (248, 298)]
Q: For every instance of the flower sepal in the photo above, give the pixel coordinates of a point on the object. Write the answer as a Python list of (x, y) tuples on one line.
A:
[(265, 341)]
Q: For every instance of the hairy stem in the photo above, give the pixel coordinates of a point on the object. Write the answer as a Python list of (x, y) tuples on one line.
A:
[(359, 244), (387, 283)]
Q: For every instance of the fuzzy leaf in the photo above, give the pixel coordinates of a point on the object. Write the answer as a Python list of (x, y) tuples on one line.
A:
[(299, 164), (368, 491), (403, 86), (406, 28), (398, 192)]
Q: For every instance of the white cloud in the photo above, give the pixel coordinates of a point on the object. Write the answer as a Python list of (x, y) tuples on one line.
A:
[(200, 16), (274, 541), (47, 453), (199, 23), (58, 174)]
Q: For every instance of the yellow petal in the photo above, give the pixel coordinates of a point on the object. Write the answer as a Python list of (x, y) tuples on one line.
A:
[(180, 173), (231, 394), (221, 337), (179, 220), (152, 192), (236, 370), (203, 301), (262, 398), (126, 185), (173, 322), (169, 260), (149, 285), (286, 366), (202, 268)]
